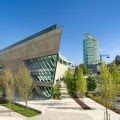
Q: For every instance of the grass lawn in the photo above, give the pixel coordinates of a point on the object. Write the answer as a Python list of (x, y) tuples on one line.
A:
[(21, 110)]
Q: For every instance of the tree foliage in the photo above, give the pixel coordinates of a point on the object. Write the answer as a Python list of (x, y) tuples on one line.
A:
[(56, 91), (80, 81), (116, 75), (76, 82), (9, 85), (107, 87), (117, 60), (91, 84), (24, 83), (1, 85), (71, 83), (84, 68)]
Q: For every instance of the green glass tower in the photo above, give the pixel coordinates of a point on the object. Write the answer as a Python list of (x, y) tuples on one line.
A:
[(90, 50)]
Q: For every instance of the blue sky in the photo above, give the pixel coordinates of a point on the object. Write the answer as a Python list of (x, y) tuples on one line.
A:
[(21, 18)]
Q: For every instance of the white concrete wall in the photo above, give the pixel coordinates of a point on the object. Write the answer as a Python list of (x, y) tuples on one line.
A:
[(60, 70)]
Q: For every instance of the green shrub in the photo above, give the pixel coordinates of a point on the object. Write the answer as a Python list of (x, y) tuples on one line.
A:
[(56, 91)]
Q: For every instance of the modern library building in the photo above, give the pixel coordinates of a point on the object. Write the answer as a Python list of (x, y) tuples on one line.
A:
[(40, 54)]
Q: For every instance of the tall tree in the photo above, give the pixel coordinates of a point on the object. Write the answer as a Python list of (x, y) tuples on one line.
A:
[(116, 75), (9, 85), (1, 85), (24, 83), (115, 72), (107, 88), (80, 81), (71, 83)]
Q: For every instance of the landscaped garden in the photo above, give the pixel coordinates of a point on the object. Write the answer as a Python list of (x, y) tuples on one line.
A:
[(102, 88), (28, 112), (20, 83), (77, 85)]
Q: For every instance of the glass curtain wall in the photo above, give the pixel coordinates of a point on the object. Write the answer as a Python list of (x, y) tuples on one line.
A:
[(43, 71)]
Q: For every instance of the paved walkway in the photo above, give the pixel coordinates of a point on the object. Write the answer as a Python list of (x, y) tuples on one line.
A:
[(98, 110), (68, 109), (66, 104), (65, 109)]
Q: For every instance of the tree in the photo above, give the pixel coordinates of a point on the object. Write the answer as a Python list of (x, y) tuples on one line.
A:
[(56, 91), (80, 82), (2, 91), (91, 83), (71, 83), (24, 84), (84, 68), (1, 86), (107, 87), (115, 74), (75, 82), (117, 60), (9, 85)]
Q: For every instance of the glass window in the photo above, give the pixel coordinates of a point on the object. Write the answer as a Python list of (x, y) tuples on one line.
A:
[(43, 70)]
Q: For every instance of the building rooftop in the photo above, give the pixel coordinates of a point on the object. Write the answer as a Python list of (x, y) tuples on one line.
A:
[(64, 58), (31, 37), (88, 35)]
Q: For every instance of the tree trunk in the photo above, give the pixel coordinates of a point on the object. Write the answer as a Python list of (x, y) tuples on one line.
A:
[(106, 113), (26, 104), (9, 108)]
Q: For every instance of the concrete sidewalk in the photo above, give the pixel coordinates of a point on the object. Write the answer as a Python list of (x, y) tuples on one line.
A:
[(98, 110), (65, 104), (68, 109), (65, 109)]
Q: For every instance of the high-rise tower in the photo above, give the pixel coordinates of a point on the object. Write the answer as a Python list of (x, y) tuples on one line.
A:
[(90, 50)]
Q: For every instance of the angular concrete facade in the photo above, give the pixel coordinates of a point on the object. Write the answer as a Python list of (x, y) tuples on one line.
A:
[(34, 46), (40, 54)]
